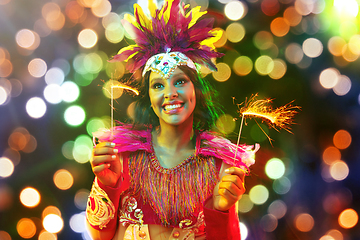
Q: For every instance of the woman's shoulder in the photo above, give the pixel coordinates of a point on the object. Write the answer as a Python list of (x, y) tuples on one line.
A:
[(127, 137), (213, 144)]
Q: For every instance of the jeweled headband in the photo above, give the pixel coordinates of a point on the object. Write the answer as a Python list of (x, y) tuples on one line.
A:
[(169, 37)]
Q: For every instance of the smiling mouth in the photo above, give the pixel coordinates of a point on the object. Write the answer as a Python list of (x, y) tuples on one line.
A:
[(172, 107)]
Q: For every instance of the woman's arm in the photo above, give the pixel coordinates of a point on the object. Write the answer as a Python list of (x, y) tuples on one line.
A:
[(103, 202), (220, 212)]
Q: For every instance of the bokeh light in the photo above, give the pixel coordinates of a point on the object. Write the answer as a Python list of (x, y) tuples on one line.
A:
[(51, 210), (30, 197), (259, 194), (87, 38), (223, 73), (279, 69), (294, 53), (282, 185), (25, 38), (331, 154), (235, 32), (112, 88), (312, 47), (6, 68), (275, 168), (52, 93), (329, 78), (3, 95), (81, 198), (304, 222), (277, 209), (235, 10), (244, 231), (245, 204), (37, 67), (53, 223), (342, 86), (264, 65), (69, 91), (279, 27), (55, 75), (45, 235), (94, 124), (225, 123), (82, 148), (6, 167), (63, 179), (4, 235), (342, 139), (36, 107), (348, 218), (77, 222), (268, 223), (74, 115), (292, 16), (339, 170), (263, 40), (243, 65), (26, 228), (336, 45)]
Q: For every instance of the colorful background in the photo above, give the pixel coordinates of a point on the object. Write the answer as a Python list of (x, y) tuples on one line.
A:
[(54, 92)]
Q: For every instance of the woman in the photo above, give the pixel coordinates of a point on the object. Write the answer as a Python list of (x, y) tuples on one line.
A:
[(167, 176)]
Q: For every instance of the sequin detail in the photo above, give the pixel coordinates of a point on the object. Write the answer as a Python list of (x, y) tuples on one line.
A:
[(100, 208), (129, 213)]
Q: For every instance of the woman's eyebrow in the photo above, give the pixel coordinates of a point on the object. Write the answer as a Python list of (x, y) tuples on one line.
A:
[(180, 75), (155, 79)]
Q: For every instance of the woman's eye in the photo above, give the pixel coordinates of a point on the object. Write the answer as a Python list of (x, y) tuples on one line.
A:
[(180, 81), (157, 85)]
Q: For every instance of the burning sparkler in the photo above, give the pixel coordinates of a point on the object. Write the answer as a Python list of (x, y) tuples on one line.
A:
[(112, 84), (278, 118)]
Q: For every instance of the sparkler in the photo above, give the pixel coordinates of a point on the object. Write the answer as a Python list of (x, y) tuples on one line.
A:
[(278, 118), (117, 85)]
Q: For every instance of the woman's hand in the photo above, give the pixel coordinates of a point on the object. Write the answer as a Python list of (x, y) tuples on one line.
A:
[(229, 190), (106, 164)]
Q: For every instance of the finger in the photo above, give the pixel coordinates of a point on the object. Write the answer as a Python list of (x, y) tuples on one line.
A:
[(232, 188), (98, 160), (106, 144), (236, 171), (100, 168), (234, 179), (228, 195), (104, 150)]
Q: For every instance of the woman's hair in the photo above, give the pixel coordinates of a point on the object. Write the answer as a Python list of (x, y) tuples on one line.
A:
[(206, 110)]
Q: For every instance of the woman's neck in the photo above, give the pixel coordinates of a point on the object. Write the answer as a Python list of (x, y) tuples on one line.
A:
[(175, 137)]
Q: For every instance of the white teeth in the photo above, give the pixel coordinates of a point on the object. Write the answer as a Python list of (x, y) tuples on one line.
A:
[(171, 107)]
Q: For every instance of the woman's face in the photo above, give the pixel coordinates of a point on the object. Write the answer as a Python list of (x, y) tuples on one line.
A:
[(173, 100)]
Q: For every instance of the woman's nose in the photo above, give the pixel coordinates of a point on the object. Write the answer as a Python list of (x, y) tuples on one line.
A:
[(171, 92)]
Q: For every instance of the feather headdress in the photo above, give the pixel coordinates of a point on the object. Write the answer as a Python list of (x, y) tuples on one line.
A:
[(173, 27)]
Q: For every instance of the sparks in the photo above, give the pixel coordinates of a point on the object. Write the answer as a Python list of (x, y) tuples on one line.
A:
[(278, 118), (126, 88)]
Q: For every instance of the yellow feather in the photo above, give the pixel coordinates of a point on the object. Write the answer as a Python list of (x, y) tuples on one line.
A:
[(152, 8), (131, 19), (196, 14), (167, 12), (217, 33), (144, 21), (130, 47)]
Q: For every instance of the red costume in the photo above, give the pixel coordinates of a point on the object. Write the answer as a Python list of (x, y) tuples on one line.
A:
[(150, 194)]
